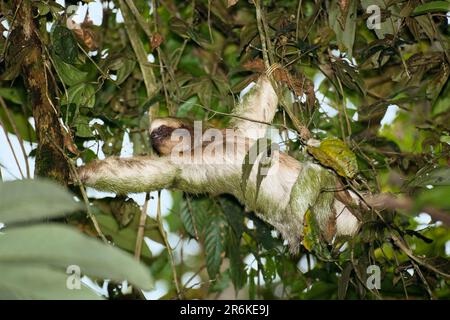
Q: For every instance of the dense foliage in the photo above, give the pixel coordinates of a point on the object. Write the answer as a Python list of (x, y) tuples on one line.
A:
[(192, 59)]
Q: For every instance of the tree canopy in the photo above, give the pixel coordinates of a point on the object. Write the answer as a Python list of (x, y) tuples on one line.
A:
[(368, 78)]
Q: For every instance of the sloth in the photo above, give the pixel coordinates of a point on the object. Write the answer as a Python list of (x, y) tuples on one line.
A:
[(215, 164)]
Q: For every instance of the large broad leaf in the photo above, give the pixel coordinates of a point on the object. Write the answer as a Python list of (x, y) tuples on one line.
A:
[(28, 200), (61, 246), (68, 73), (31, 281), (64, 44), (82, 94), (335, 154)]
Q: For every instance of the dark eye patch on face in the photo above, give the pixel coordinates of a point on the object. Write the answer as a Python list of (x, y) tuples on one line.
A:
[(159, 135)]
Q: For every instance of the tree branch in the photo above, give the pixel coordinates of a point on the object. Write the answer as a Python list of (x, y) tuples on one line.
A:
[(50, 162)]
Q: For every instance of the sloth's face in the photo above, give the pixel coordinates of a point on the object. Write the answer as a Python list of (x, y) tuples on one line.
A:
[(161, 131)]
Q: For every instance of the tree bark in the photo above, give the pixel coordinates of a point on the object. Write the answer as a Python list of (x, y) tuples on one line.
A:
[(50, 162)]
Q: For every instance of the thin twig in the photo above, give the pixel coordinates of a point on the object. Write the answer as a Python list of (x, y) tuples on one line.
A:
[(141, 228)]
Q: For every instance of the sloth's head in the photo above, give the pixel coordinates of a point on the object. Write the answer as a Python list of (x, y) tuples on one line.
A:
[(161, 133)]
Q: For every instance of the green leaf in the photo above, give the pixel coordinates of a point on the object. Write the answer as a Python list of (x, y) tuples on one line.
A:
[(68, 73), (34, 281), (81, 123), (431, 176), (28, 200), (180, 27), (445, 139), (82, 94), (430, 7), (312, 239), (344, 280), (120, 219), (335, 154), (237, 267), (263, 235), (214, 246), (269, 270), (251, 283), (187, 219), (125, 70), (311, 233), (42, 7), (234, 214), (124, 238), (64, 44), (321, 290), (24, 128), (15, 95), (221, 282), (345, 37), (62, 246), (202, 210), (122, 209), (437, 197)]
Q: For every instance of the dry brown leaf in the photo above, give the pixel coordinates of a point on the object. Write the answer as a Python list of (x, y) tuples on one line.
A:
[(156, 40)]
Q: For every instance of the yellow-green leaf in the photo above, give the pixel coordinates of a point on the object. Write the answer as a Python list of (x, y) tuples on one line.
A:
[(308, 231), (335, 154)]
